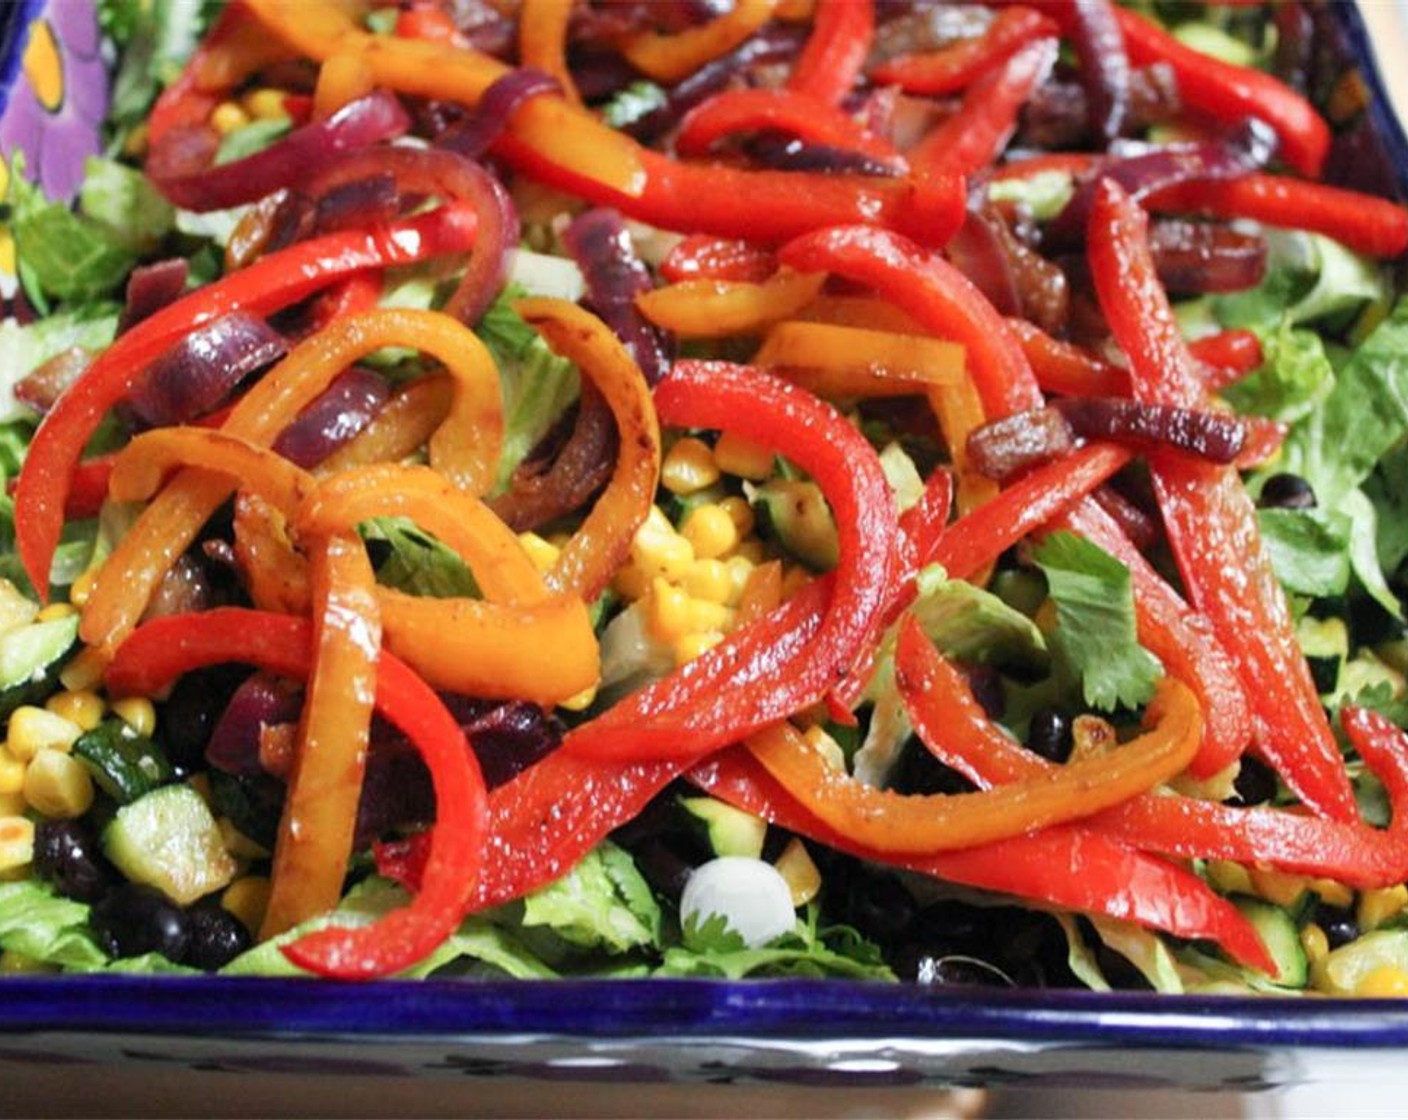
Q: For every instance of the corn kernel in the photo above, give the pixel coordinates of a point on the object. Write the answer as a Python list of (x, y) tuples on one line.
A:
[(1333, 894), (740, 570), (16, 842), (11, 772), (55, 611), (689, 467), (1388, 981), (799, 872), (668, 616), (237, 843), (668, 556), (35, 729), (796, 578), (1229, 878), (13, 804), (581, 701), (83, 708), (227, 117), (1315, 943), (711, 531), (82, 588), (741, 514), (247, 899), (829, 749), (1377, 907), (57, 785), (630, 582), (85, 670), (1278, 887), (708, 580), (689, 646), (543, 554), (138, 713), (16, 608), (266, 104), (700, 614), (742, 457)]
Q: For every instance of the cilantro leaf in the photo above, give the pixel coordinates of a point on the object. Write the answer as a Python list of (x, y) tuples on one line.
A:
[(1095, 628), (602, 903), (1309, 549)]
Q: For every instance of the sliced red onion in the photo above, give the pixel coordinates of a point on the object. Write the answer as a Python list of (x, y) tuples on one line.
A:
[(598, 241), (184, 589), (286, 162), (342, 410), (1007, 271), (1141, 527), (565, 470), (1196, 257), (42, 386), (1104, 64), (150, 288), (509, 737), (200, 371), (260, 701), (1058, 115), (362, 202), (1016, 443), (1215, 436), (788, 153), (472, 136), (977, 251)]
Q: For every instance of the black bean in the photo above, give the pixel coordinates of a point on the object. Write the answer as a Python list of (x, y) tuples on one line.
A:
[(1050, 735), (1286, 491), (134, 919), (919, 772), (216, 937), (67, 855), (1256, 782), (1339, 924), (878, 906), (190, 714)]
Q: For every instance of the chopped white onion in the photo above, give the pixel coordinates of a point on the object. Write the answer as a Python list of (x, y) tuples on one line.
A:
[(750, 894)]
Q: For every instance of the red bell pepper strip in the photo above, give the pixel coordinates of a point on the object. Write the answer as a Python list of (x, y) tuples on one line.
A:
[(935, 295), (1179, 638), (735, 111), (273, 282), (157, 653), (979, 537), (975, 136), (1075, 164), (1211, 521), (1226, 356), (831, 61), (701, 257), (1227, 92), (1065, 866), (659, 720), (1369, 225), (951, 68), (954, 727)]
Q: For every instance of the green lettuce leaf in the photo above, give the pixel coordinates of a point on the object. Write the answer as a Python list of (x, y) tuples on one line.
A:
[(43, 926), (123, 201), (1294, 377), (1309, 549), (25, 348), (417, 563), (1095, 628), (155, 38), (970, 624), (637, 100)]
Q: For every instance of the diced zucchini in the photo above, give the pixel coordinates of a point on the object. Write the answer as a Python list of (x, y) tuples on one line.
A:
[(1344, 970), (169, 840), (797, 515), (1325, 643), (125, 765), (1278, 932), (732, 832), (30, 660)]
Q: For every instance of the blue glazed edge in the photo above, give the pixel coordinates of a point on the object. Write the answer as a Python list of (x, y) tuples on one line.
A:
[(699, 1009)]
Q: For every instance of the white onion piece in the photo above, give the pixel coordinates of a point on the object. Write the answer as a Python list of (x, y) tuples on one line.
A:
[(749, 894)]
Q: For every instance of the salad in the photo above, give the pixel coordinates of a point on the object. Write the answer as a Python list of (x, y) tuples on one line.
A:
[(793, 487)]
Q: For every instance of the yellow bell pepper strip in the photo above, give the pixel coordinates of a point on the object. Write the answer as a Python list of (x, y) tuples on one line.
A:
[(668, 58), (566, 147), (542, 41), (892, 823), (399, 429), (1064, 866), (723, 308), (959, 412), (169, 524), (274, 575), (838, 362), (601, 543), (830, 63), (276, 281), (545, 652), (163, 649), (462, 522), (1211, 520), (320, 811)]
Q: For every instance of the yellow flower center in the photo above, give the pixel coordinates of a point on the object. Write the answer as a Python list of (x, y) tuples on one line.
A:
[(44, 66)]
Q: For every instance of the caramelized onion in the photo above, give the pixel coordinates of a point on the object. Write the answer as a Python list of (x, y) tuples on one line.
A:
[(200, 371), (1196, 257), (339, 413), (1015, 443), (1218, 437)]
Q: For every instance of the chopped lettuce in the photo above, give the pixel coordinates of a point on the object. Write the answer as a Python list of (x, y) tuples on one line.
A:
[(1095, 629), (1295, 376), (123, 201), (417, 563), (637, 101), (154, 38), (1309, 549), (24, 349), (43, 926), (970, 624)]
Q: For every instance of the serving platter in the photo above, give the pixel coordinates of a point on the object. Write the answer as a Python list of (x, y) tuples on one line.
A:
[(803, 1033)]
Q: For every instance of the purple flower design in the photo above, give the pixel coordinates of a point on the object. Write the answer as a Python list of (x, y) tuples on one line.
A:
[(60, 96)]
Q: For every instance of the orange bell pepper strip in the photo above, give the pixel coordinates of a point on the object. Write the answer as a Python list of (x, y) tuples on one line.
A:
[(668, 58), (834, 55), (951, 68), (837, 362), (169, 524), (400, 427), (735, 111), (276, 281), (892, 823), (959, 412), (723, 308), (320, 813), (274, 574), (462, 522), (542, 41), (566, 147), (602, 542), (1211, 521), (166, 647)]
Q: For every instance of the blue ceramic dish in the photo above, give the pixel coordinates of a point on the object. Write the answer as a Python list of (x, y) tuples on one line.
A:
[(797, 1032)]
